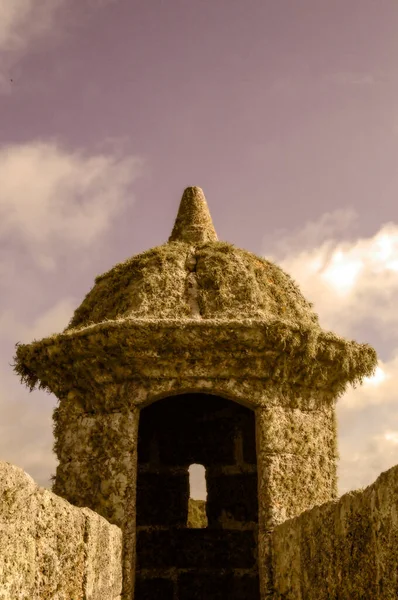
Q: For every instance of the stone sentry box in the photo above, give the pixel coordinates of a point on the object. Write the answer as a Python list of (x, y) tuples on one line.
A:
[(195, 351)]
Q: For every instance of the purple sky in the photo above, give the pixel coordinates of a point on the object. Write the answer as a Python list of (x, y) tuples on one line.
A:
[(284, 112)]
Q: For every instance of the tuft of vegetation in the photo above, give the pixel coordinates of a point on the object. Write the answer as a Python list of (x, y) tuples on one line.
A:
[(197, 518)]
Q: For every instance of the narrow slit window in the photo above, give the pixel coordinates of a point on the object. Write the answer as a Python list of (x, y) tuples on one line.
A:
[(197, 518)]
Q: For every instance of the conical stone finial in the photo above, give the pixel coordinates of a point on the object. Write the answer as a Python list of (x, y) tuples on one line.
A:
[(193, 223)]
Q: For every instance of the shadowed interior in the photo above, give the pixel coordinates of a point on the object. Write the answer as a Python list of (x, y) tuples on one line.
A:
[(173, 560)]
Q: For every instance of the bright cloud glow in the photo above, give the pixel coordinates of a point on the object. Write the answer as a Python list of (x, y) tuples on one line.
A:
[(349, 282), (342, 272), (377, 378), (384, 246), (392, 436)]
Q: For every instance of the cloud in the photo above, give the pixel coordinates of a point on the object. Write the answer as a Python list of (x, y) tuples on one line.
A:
[(362, 465), (353, 283), (368, 432), (51, 198), (22, 22), (377, 390), (284, 243), (368, 428), (53, 320)]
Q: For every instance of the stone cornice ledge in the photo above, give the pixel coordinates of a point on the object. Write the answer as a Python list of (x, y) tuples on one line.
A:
[(115, 351)]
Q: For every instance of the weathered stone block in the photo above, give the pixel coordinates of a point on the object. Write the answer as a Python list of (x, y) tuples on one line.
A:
[(103, 557), (293, 431), (100, 485), (343, 549), (290, 484), (60, 548), (97, 436), (50, 549), (19, 506)]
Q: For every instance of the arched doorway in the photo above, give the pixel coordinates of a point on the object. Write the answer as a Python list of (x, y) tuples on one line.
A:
[(175, 561)]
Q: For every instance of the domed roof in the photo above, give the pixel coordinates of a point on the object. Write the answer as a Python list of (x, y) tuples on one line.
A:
[(199, 306), (196, 276)]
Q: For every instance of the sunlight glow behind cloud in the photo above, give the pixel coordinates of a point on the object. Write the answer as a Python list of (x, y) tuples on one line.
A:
[(350, 283), (379, 377), (392, 436), (342, 272)]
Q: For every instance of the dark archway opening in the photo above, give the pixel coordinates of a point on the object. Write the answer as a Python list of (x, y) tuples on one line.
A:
[(176, 561)]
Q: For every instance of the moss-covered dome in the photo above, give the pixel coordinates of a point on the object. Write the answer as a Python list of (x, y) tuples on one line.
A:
[(194, 276), (214, 280), (212, 308)]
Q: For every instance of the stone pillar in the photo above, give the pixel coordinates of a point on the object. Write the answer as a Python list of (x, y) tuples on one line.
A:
[(296, 463), (97, 468)]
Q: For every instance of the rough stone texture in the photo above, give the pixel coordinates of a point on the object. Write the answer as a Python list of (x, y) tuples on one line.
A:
[(97, 454), (195, 317), (50, 550), (191, 297), (100, 473), (231, 283), (98, 450), (82, 440), (292, 484), (283, 355), (193, 222), (345, 550), (292, 442)]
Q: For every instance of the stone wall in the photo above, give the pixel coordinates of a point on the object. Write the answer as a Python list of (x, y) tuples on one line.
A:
[(51, 550), (345, 549), (287, 444)]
